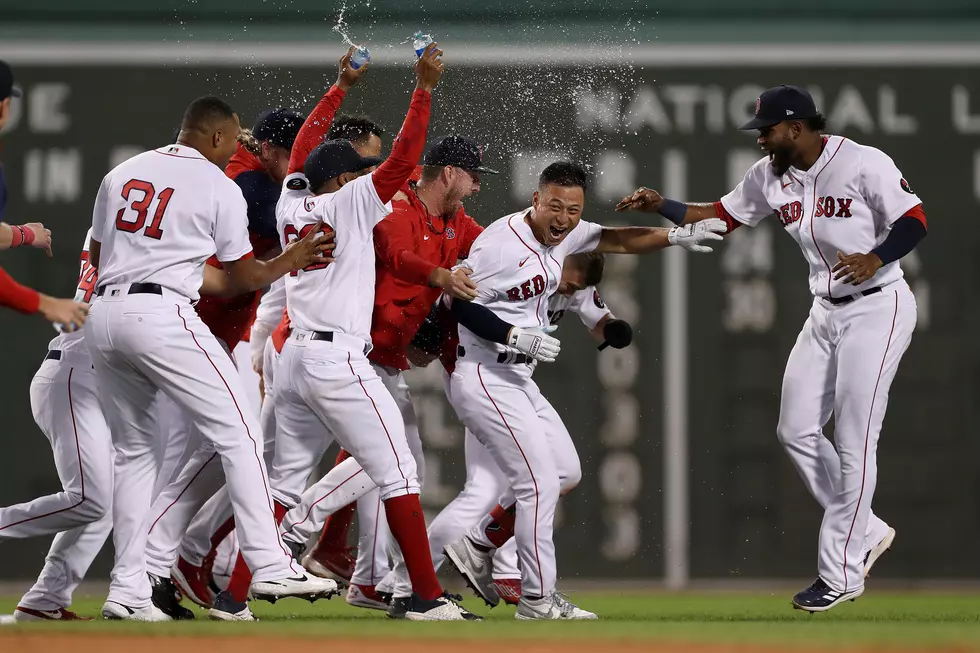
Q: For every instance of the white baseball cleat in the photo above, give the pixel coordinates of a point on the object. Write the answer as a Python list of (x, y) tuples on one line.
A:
[(117, 611), (303, 586), (556, 606), (443, 608), (475, 566), (877, 551)]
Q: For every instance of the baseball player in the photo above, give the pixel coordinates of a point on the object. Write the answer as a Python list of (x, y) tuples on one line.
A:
[(324, 375), (516, 266), (260, 176), (65, 403), (485, 483), (416, 246), (66, 312), (146, 337), (854, 216)]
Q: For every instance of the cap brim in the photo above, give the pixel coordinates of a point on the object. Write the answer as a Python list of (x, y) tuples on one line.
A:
[(759, 123), (369, 161), (483, 170)]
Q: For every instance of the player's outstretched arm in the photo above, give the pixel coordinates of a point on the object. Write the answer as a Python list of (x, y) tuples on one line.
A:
[(249, 274), (32, 234), (407, 150), (647, 200), (534, 342), (317, 124), (66, 312), (640, 240)]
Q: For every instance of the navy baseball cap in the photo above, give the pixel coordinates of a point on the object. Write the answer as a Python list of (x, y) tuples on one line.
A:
[(458, 152), (7, 88), (278, 126), (781, 103), (333, 158)]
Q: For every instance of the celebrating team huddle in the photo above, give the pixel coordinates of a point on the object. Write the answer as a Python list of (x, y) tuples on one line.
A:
[(370, 265)]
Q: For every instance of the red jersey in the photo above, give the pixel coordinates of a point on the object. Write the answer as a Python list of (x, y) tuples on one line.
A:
[(409, 245)]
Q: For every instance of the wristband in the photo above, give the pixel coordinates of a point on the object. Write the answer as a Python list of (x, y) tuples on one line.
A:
[(673, 211), (16, 236)]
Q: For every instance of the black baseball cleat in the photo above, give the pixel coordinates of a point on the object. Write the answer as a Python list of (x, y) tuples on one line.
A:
[(398, 607), (819, 597), (166, 597)]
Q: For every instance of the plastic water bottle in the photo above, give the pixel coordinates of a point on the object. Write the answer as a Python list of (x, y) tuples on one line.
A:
[(360, 57), (420, 42)]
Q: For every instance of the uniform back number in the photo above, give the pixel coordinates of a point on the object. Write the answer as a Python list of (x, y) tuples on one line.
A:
[(143, 194), (291, 234)]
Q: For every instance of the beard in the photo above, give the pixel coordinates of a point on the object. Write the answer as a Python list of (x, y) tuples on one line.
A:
[(779, 160)]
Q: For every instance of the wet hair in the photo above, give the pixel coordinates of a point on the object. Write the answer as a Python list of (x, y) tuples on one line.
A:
[(356, 129), (205, 113), (563, 173), (249, 142), (817, 123), (592, 265)]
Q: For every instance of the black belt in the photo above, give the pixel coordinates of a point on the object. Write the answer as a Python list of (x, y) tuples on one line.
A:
[(503, 357), (137, 289), (53, 355), (837, 301), (327, 336)]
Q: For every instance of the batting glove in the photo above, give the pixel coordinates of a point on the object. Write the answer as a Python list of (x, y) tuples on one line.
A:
[(535, 342), (691, 236)]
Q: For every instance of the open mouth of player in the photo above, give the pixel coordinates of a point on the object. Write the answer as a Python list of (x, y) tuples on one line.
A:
[(557, 232)]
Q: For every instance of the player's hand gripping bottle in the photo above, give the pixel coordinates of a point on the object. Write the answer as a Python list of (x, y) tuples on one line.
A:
[(360, 57)]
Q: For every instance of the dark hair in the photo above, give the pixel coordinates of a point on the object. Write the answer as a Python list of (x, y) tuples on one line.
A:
[(431, 173), (563, 173), (817, 123), (592, 265), (205, 113), (355, 129)]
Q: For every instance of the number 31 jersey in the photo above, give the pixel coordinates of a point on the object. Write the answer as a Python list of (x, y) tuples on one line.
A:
[(161, 214), (339, 296)]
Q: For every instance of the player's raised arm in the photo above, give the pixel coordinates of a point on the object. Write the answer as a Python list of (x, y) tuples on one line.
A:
[(407, 149), (317, 124)]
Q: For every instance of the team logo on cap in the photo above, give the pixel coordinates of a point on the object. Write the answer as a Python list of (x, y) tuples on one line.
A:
[(450, 233), (758, 105)]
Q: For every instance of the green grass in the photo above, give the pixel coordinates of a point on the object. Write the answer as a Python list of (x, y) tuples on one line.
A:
[(878, 619)]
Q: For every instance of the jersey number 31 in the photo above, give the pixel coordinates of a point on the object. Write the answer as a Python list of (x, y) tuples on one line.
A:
[(141, 206)]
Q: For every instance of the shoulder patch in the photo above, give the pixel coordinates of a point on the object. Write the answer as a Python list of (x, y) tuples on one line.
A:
[(598, 300), (906, 187), (296, 183)]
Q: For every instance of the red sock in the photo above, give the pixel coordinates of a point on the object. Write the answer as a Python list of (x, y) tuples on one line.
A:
[(241, 576), (407, 525), (501, 528)]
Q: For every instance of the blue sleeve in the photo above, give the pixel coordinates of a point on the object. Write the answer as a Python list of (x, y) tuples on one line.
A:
[(261, 195), (481, 321)]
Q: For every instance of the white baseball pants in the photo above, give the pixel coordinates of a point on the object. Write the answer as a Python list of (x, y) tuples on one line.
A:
[(65, 403), (348, 482), (843, 363), (505, 410), (144, 342)]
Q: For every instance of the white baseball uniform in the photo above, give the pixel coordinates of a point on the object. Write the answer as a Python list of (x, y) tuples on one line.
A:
[(144, 334), (486, 484), (66, 407), (492, 390), (847, 354), (324, 378)]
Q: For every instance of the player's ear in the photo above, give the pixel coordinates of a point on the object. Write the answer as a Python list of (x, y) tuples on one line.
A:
[(534, 200)]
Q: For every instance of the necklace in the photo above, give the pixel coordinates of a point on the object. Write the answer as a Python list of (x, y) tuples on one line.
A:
[(428, 216)]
